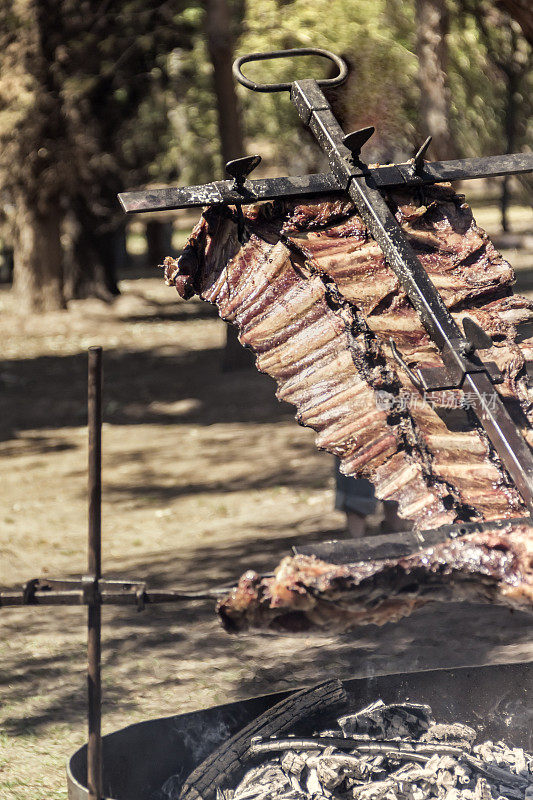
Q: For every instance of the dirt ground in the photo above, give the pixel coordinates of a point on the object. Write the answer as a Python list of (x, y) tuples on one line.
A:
[(205, 475)]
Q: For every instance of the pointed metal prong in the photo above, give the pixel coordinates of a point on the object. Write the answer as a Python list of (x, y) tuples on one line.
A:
[(355, 140), (240, 168), (399, 360), (476, 336), (418, 158)]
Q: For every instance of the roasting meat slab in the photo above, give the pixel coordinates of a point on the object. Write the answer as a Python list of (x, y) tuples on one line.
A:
[(307, 593), (312, 295)]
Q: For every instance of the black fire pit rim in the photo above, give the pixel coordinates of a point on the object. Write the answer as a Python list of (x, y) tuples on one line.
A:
[(81, 751), (77, 791)]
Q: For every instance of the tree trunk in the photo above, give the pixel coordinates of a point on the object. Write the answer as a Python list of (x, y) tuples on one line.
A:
[(218, 24), (38, 264), (513, 85), (92, 256), (431, 46), (158, 242)]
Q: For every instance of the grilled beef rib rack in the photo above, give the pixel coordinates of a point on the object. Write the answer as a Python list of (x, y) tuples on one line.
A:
[(386, 317), (312, 295)]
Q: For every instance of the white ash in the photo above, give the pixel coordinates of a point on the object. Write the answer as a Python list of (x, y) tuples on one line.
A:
[(388, 752), (388, 722)]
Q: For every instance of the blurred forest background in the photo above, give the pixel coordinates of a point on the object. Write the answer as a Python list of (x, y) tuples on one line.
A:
[(97, 97)]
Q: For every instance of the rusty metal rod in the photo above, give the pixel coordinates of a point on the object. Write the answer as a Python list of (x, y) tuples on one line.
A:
[(77, 597), (94, 617)]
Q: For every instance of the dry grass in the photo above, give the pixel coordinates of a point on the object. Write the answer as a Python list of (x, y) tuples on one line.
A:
[(205, 475)]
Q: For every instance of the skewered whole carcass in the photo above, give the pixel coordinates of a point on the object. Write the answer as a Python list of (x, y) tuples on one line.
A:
[(312, 295)]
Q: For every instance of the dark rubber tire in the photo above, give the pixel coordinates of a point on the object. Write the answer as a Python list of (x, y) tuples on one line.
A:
[(219, 767)]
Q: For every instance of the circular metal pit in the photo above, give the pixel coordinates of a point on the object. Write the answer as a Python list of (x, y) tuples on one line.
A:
[(139, 759)]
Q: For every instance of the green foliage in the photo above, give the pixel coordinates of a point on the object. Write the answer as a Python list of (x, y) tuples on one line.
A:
[(486, 50), (85, 94), (194, 146), (95, 97), (378, 39), (378, 91), (371, 34)]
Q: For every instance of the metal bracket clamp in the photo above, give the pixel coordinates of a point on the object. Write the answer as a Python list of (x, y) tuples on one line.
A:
[(460, 360), (355, 140), (432, 379), (28, 591), (90, 590), (240, 168)]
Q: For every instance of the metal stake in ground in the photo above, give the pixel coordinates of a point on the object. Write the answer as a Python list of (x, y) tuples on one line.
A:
[(94, 616)]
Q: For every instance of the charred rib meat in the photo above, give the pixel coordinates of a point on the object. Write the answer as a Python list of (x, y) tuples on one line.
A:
[(312, 295), (306, 593)]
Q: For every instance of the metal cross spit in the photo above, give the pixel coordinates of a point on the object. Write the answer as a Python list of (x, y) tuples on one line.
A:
[(463, 369)]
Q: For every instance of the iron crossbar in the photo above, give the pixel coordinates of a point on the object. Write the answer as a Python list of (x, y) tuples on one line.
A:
[(230, 192), (83, 591)]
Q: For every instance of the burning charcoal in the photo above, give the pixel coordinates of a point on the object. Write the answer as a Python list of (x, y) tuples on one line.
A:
[(377, 790), (407, 772), (462, 776), (444, 762), (445, 779), (511, 794), (314, 785), (330, 774), (388, 721), (485, 751), (495, 774), (396, 752), (227, 759), (342, 765), (521, 763)]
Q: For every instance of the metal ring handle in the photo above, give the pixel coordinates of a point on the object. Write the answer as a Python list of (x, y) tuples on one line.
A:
[(285, 87)]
